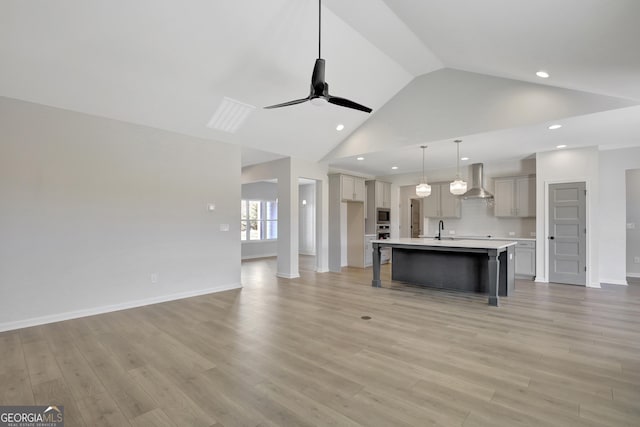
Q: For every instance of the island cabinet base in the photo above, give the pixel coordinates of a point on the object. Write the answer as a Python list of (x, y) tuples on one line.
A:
[(462, 271)]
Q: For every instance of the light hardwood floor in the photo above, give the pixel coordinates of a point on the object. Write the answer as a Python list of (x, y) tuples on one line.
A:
[(297, 353)]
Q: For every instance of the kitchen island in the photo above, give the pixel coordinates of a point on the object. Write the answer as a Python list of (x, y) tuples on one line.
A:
[(485, 266)]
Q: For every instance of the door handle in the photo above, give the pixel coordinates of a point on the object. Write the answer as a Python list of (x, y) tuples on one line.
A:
[(551, 237)]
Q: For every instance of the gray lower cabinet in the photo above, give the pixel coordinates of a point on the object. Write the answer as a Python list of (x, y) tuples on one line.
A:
[(526, 259)]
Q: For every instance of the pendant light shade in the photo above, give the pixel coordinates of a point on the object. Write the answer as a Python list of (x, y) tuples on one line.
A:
[(458, 187), (423, 189)]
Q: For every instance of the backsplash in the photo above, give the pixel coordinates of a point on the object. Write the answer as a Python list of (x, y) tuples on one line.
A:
[(478, 220)]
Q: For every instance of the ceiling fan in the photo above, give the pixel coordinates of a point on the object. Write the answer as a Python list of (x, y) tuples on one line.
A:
[(319, 94)]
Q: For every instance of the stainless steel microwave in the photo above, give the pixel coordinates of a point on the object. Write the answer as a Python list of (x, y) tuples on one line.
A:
[(383, 216)]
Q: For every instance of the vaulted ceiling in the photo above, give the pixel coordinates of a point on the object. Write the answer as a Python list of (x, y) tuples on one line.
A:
[(169, 64)]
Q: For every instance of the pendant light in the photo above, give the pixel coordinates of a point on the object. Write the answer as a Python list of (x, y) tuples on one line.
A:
[(458, 187), (423, 189)]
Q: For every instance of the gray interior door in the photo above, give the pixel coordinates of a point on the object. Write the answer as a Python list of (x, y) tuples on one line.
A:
[(567, 233), (416, 228)]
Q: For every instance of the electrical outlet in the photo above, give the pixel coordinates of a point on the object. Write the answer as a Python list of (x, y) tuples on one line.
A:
[(512, 233), (452, 231), (154, 277), (636, 260), (224, 227), (631, 225), (211, 207)]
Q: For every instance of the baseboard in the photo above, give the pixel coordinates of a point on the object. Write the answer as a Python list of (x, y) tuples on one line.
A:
[(310, 253), (634, 275), (287, 275), (267, 255), (322, 270), (540, 279), (593, 285), (614, 282), (26, 323)]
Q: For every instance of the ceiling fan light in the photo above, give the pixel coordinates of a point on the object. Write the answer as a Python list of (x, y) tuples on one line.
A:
[(423, 190), (458, 187), (319, 101)]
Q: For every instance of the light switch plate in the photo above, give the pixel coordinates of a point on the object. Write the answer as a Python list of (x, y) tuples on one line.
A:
[(224, 227), (631, 225), (211, 206)]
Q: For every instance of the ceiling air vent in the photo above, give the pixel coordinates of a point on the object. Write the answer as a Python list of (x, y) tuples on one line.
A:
[(230, 115)]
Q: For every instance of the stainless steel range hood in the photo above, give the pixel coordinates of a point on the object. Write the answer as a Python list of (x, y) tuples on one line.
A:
[(477, 190)]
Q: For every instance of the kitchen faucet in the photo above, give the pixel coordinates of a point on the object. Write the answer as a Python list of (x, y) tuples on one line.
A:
[(440, 228)]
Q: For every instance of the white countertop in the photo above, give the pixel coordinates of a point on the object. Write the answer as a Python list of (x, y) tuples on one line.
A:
[(463, 237), (458, 243)]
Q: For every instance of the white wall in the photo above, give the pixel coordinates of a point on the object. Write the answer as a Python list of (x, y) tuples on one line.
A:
[(307, 233), (344, 261), (93, 209), (633, 217), (568, 166), (613, 211), (259, 191)]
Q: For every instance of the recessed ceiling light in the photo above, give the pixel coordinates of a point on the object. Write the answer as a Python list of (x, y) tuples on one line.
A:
[(542, 74), (554, 127), (339, 127), (561, 146), (394, 167), (360, 158), (464, 158)]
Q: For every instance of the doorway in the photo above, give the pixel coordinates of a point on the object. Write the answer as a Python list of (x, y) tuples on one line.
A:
[(633, 226), (567, 233), (416, 217)]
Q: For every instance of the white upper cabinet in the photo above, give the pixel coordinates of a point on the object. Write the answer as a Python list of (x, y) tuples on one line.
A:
[(431, 204), (526, 196), (515, 196), (352, 188), (503, 197), (441, 203), (383, 194)]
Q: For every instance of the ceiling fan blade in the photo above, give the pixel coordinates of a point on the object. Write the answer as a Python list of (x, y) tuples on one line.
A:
[(286, 104), (343, 102), (317, 78)]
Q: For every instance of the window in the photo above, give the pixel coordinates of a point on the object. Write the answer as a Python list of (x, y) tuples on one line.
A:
[(258, 220)]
